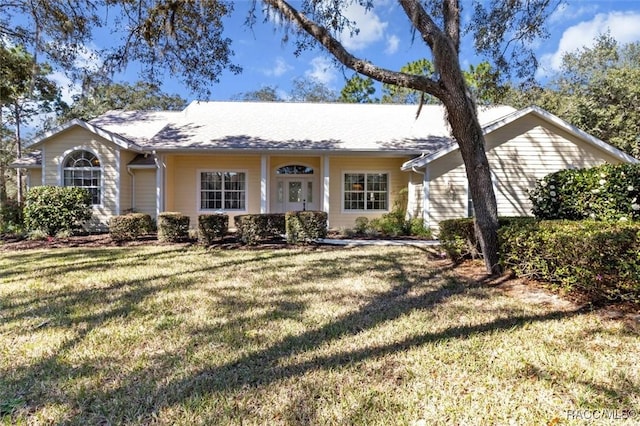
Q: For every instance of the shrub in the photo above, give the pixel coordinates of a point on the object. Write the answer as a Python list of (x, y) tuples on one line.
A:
[(52, 209), (417, 228), (305, 226), (392, 224), (607, 192), (458, 236), (10, 216), (597, 259), (362, 224), (173, 227), (212, 227), (130, 226), (252, 228)]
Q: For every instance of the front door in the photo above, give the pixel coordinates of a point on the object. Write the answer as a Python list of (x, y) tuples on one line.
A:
[(297, 194)]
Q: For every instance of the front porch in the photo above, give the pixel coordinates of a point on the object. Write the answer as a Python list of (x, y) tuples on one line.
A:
[(345, 187)]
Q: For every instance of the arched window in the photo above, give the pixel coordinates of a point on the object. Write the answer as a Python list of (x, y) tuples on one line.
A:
[(294, 169), (83, 169)]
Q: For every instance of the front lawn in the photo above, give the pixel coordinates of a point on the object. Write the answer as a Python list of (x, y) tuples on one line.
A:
[(370, 335)]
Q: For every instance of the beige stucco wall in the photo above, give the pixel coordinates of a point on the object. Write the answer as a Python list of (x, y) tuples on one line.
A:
[(518, 153), (182, 190), (145, 191), (182, 181), (54, 151), (339, 165)]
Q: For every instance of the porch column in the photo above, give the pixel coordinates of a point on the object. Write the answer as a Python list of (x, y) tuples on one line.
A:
[(161, 167), (264, 180), (325, 183)]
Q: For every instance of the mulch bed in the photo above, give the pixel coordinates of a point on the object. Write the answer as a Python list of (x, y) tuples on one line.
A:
[(229, 242)]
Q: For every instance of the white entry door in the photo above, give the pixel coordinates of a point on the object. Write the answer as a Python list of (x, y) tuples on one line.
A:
[(297, 194)]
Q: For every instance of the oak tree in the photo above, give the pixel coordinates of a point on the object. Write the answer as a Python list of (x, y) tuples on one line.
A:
[(186, 39), (502, 29)]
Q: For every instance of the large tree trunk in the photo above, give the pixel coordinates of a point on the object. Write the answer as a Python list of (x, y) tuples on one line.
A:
[(463, 117), (449, 86), (468, 133)]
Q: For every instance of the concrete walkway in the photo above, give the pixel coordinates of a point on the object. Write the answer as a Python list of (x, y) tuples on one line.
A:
[(356, 242)]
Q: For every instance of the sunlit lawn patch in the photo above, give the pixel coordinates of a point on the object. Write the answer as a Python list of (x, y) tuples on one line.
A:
[(172, 334)]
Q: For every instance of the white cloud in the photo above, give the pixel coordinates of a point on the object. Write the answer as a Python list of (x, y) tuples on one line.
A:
[(67, 87), (393, 42), (623, 26), (322, 70), (565, 12), (279, 68), (371, 28)]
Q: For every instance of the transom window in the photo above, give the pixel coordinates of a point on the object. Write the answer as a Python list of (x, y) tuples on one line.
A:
[(83, 169), (223, 191), (295, 169), (366, 191)]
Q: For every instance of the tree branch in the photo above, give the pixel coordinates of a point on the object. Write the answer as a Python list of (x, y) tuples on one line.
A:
[(322, 35)]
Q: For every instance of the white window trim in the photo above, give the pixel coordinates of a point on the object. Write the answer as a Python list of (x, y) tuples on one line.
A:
[(61, 169), (365, 172), (199, 192)]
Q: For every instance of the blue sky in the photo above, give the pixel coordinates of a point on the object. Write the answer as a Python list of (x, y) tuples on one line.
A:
[(385, 39)]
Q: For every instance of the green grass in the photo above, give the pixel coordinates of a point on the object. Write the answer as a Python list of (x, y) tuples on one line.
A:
[(184, 335)]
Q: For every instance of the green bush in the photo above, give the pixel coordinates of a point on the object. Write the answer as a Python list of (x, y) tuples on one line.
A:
[(597, 259), (173, 227), (394, 223), (417, 228), (458, 236), (391, 224), (10, 216), (212, 227), (362, 224), (130, 226), (305, 226), (251, 228), (607, 192), (52, 209)]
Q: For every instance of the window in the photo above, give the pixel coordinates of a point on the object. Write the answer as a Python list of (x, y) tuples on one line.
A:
[(82, 169), (223, 191), (295, 169), (366, 191)]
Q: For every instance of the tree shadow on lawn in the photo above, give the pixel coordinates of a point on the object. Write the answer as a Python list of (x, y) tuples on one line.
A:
[(258, 368), (274, 363)]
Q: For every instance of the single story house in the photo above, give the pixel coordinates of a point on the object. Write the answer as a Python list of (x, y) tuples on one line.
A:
[(349, 160)]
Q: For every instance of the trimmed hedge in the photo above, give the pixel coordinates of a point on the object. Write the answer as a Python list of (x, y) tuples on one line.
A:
[(599, 259), (212, 227), (130, 226), (607, 192), (54, 209), (251, 228), (458, 236), (305, 226), (173, 227)]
